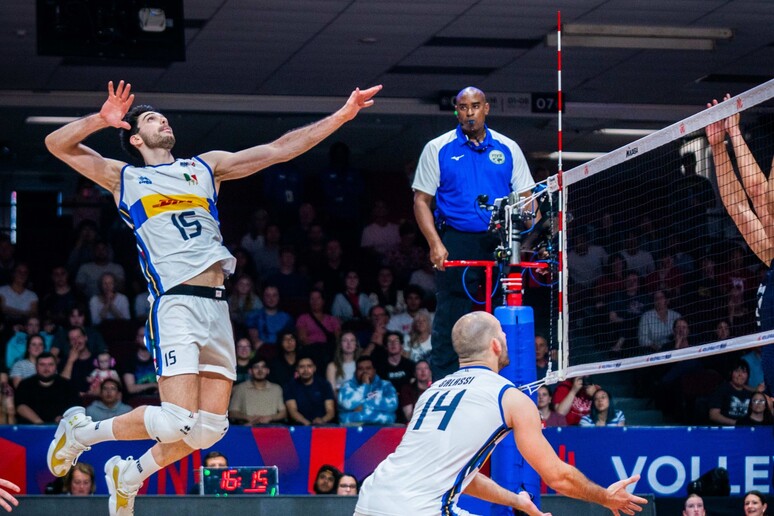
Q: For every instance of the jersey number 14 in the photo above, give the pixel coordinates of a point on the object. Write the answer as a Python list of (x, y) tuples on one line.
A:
[(439, 406)]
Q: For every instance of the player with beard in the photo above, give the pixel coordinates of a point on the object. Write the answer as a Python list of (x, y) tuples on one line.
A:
[(457, 423), (171, 206)]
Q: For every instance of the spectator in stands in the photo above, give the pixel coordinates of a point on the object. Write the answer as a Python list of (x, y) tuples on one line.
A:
[(637, 259), (292, 285), (108, 303), (409, 256), (254, 240), (140, 375), (387, 292), (244, 266), (61, 298), (80, 360), (351, 304), (103, 370), (735, 272), (77, 319), (347, 485), (109, 403), (612, 281), (548, 416), (366, 398), (83, 249), (244, 354), (410, 392), (414, 300), (16, 346), (586, 262), (257, 401), (755, 362), (296, 235), (573, 398), (243, 303), (603, 412), (424, 277), (395, 368), (265, 326), (418, 344), (283, 366), (17, 302), (329, 273), (43, 398), (541, 356), (694, 506), (312, 256), (681, 335), (755, 504), (758, 412), (25, 367), (308, 398), (7, 405), (656, 325), (342, 367), (379, 319), (731, 400), (666, 277), (326, 479), (342, 189), (88, 279), (267, 257), (381, 236), (318, 330), (79, 481), (738, 314), (624, 312)]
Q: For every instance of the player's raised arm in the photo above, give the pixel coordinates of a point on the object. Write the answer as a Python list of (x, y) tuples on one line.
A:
[(522, 415), (234, 165), (65, 142)]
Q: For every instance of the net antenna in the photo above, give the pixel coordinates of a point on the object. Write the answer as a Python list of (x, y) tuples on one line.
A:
[(642, 183)]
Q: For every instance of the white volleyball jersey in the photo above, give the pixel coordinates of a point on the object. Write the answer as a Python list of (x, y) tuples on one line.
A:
[(172, 210), (456, 424)]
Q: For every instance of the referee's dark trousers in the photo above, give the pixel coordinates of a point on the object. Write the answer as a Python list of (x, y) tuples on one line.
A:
[(452, 300)]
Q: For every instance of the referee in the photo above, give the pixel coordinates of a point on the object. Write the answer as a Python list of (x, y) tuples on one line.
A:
[(455, 169)]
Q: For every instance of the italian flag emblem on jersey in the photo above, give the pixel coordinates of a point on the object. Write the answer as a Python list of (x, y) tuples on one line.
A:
[(191, 179)]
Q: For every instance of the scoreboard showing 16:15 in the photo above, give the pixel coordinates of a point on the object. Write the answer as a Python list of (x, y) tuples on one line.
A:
[(240, 480)]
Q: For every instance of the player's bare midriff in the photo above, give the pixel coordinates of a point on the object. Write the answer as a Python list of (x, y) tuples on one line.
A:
[(212, 277)]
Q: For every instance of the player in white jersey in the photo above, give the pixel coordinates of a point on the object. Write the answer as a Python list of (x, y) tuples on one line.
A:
[(457, 423), (170, 205)]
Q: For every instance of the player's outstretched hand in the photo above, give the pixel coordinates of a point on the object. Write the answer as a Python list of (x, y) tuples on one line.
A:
[(526, 505), (6, 498), (619, 500), (716, 131), (117, 105), (360, 99)]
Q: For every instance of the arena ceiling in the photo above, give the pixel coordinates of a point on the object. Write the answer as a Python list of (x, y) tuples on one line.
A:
[(256, 68)]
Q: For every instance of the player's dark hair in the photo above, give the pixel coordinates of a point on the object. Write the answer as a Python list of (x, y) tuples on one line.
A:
[(124, 134)]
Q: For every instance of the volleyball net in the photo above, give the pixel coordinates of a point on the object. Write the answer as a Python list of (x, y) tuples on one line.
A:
[(652, 268)]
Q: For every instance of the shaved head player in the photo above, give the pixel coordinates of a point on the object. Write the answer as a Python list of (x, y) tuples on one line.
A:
[(457, 422)]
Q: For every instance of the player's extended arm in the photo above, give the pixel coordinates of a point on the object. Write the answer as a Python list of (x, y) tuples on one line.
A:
[(65, 142), (423, 213), (234, 165), (6, 498), (522, 415), (487, 489), (733, 194)]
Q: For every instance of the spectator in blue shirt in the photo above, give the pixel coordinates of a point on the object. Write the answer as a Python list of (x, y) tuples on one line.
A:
[(308, 397), (366, 398), (265, 325)]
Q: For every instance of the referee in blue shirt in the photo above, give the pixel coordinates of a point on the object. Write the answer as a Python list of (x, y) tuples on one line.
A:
[(454, 169)]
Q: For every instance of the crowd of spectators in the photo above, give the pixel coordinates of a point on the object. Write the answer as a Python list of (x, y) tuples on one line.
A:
[(332, 315)]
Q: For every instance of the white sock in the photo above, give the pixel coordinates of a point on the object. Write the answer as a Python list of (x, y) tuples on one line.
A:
[(145, 466), (96, 432)]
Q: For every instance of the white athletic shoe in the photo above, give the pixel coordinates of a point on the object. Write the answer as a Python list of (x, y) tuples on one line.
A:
[(122, 493), (64, 450)]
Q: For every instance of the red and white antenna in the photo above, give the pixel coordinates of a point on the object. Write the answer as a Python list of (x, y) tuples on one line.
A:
[(559, 82)]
